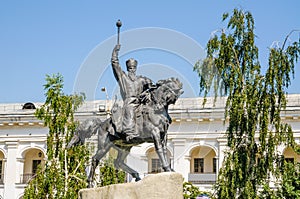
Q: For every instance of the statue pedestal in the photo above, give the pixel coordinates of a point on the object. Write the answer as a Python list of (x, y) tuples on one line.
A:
[(167, 185)]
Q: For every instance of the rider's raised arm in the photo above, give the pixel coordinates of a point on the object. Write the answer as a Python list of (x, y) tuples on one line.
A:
[(115, 62)]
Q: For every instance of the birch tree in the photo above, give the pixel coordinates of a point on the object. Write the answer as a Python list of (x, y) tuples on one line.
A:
[(64, 172), (255, 100)]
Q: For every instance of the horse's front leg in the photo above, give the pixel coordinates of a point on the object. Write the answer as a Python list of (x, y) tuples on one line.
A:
[(120, 162), (160, 149), (165, 150)]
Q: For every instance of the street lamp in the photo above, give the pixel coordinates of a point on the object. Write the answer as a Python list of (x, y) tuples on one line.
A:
[(103, 89)]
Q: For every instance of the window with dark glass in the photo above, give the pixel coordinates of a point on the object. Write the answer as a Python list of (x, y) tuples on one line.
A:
[(1, 175), (0, 168), (155, 166), (289, 160), (198, 165), (214, 165), (35, 164)]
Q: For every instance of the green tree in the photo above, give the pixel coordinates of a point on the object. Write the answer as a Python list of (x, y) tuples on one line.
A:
[(290, 181), (109, 174), (190, 191), (253, 107), (64, 172)]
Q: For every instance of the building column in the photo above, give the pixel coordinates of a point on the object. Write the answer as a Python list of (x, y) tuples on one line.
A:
[(144, 167), (180, 162), (20, 165), (11, 177), (222, 147)]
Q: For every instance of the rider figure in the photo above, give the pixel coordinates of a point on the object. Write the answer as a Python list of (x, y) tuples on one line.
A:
[(131, 87)]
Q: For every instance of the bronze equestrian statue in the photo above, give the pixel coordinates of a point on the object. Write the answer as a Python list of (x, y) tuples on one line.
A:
[(145, 112), (152, 124)]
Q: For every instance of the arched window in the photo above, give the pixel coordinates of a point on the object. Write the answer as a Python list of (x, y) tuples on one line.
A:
[(290, 155), (203, 165), (203, 160), (33, 158), (28, 105), (154, 165)]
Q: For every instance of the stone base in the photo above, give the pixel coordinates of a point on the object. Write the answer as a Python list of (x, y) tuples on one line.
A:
[(167, 185)]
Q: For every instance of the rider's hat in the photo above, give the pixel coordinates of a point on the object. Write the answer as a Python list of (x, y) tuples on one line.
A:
[(131, 62)]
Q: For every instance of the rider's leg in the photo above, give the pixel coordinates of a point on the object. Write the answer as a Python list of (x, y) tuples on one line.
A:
[(129, 121), (120, 162), (159, 149)]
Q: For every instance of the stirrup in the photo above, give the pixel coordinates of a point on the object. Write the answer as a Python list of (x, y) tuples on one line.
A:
[(131, 137)]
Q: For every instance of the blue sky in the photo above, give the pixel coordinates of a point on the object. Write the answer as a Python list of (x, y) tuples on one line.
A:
[(47, 37)]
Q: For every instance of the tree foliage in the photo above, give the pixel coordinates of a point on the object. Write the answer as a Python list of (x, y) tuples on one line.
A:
[(190, 191), (109, 174), (290, 181), (64, 172), (254, 103)]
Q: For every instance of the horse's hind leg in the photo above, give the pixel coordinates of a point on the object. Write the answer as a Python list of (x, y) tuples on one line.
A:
[(94, 165), (103, 148), (120, 162)]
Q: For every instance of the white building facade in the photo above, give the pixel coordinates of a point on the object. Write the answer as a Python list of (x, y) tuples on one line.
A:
[(196, 142)]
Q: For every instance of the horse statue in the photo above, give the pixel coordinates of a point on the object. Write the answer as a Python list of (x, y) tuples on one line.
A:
[(152, 124)]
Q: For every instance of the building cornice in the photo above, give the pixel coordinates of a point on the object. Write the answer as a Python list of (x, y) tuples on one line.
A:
[(186, 110)]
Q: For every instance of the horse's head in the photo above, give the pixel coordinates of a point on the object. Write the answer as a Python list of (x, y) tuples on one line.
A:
[(169, 90)]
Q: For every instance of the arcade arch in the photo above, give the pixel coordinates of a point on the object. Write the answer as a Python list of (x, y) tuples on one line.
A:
[(154, 165), (32, 158), (203, 160), (290, 155)]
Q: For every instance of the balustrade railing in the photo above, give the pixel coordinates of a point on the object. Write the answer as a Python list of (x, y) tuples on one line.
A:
[(25, 178), (202, 178)]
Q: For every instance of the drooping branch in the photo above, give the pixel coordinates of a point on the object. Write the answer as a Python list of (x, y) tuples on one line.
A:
[(287, 37)]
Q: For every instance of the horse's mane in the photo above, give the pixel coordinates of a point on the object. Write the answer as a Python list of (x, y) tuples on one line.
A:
[(172, 84), (169, 81)]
